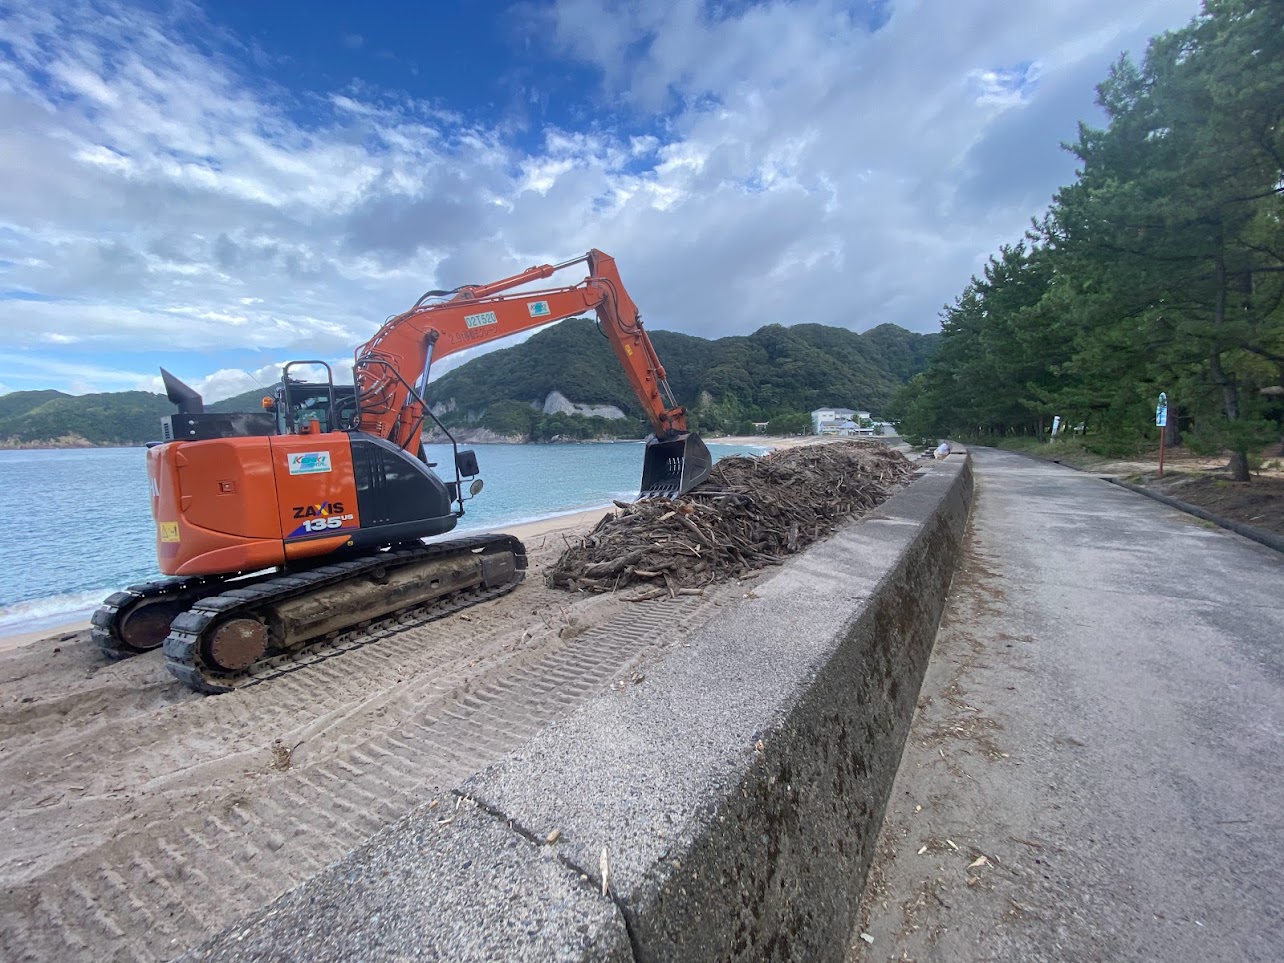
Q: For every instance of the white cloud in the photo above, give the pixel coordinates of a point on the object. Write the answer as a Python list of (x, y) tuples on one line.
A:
[(803, 168), (223, 383), (79, 376)]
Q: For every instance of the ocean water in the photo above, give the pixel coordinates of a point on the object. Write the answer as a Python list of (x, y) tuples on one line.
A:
[(80, 524)]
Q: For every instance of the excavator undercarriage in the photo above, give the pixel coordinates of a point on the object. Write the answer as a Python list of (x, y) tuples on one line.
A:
[(225, 634)]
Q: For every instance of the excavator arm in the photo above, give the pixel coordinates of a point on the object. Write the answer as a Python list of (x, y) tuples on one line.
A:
[(392, 368)]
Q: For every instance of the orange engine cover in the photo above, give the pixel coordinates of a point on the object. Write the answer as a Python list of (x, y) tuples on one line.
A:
[(239, 504)]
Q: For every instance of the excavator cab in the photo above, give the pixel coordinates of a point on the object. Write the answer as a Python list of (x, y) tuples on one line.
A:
[(675, 465), (298, 401)]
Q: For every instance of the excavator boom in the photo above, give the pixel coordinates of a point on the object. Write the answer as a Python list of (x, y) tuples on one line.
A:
[(444, 322)]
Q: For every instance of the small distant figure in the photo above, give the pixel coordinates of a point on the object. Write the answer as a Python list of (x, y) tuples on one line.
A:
[(942, 450)]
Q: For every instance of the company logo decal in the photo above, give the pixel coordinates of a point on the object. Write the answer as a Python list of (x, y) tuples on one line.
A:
[(309, 462), (325, 508), (538, 309), (480, 320), (320, 518)]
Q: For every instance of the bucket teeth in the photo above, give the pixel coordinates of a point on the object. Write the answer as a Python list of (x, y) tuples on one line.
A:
[(673, 466)]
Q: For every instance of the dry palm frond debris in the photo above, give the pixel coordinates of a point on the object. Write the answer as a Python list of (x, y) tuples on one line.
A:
[(749, 513)]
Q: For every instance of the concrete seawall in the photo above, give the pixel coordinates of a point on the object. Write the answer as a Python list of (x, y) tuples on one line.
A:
[(724, 807)]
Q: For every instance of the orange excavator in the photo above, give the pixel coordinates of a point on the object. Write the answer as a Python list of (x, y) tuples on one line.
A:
[(288, 533)]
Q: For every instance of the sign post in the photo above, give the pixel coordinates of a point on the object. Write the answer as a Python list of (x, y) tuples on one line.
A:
[(1161, 419)]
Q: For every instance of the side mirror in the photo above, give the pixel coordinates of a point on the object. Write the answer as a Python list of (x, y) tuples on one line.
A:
[(475, 487), (466, 463)]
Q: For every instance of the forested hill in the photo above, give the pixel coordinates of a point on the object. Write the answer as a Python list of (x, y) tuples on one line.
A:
[(55, 419), (776, 373), (36, 419)]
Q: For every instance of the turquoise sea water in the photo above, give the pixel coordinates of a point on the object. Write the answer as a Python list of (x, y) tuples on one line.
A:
[(80, 524)]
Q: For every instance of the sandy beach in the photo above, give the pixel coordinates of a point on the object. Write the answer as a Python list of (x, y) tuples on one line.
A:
[(771, 442), (203, 808), (529, 532), (141, 817), (59, 633)]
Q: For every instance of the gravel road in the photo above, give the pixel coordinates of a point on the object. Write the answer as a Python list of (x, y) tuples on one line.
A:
[(1096, 765)]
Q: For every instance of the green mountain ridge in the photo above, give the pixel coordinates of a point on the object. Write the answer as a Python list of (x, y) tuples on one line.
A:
[(18, 403), (32, 418), (251, 400), (775, 371)]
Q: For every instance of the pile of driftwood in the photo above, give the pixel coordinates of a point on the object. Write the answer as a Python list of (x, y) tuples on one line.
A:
[(750, 513)]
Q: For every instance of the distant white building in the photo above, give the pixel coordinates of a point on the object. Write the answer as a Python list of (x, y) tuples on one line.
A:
[(839, 421), (827, 421)]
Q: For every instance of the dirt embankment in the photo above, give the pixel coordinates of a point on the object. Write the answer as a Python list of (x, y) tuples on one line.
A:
[(1259, 503)]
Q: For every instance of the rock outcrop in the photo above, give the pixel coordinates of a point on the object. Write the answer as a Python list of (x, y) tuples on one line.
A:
[(558, 404), (475, 436)]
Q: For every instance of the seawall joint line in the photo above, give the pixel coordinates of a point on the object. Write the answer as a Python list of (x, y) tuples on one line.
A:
[(591, 880)]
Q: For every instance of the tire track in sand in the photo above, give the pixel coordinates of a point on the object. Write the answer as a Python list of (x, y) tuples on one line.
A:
[(146, 818)]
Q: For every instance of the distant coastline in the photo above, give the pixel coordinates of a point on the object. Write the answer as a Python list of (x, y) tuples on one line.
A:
[(482, 437), (466, 437), (67, 441)]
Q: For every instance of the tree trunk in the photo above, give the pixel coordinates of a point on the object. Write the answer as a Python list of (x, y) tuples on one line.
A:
[(1238, 464)]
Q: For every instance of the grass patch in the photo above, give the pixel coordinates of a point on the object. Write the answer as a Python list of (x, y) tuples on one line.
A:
[(1076, 452)]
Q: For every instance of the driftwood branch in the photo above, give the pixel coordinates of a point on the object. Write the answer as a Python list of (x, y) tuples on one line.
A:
[(750, 513)]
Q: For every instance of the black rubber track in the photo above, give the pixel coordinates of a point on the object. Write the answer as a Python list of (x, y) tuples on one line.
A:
[(109, 616), (183, 646)]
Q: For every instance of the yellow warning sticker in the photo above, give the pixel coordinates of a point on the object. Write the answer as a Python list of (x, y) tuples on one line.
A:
[(169, 531)]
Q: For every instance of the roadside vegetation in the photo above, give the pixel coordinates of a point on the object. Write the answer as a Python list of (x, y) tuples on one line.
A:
[(1161, 268)]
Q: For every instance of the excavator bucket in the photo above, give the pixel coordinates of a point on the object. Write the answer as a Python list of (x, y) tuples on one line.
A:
[(674, 466)]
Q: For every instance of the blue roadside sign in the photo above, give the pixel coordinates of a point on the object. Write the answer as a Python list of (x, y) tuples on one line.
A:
[(1161, 412)]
